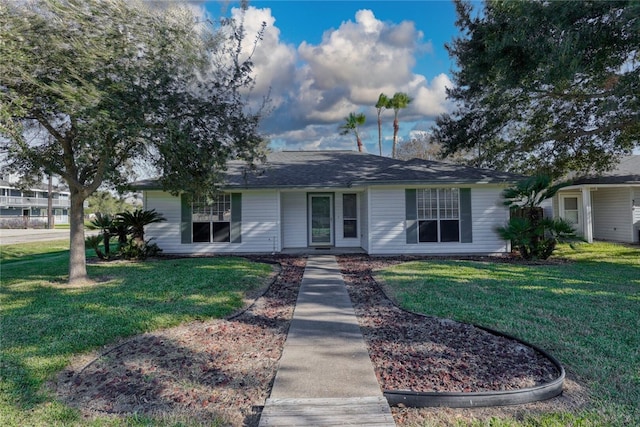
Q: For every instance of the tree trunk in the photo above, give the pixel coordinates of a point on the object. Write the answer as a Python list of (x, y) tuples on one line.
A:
[(359, 141), (106, 238), (77, 257), (396, 129), (380, 134)]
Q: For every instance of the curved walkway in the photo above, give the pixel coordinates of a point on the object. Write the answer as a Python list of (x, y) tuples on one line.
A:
[(325, 376)]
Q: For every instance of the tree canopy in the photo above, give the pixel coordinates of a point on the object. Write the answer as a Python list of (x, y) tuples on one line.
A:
[(545, 86), (88, 88)]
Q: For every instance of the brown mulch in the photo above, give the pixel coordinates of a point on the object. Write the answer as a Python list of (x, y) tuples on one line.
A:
[(216, 371), (428, 354), (221, 371)]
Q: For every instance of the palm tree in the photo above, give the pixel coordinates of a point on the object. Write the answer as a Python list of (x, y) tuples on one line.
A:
[(104, 223), (383, 102), (351, 125), (400, 100), (137, 219)]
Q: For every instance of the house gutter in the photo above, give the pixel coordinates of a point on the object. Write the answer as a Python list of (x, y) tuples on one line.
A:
[(429, 182)]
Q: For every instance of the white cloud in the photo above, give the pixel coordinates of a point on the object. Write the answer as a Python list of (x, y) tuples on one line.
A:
[(430, 99), (314, 87), (363, 56), (274, 61)]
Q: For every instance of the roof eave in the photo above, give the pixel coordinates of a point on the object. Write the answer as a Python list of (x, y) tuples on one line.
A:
[(434, 182)]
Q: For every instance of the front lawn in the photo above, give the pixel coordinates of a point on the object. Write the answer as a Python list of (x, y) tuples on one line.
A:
[(33, 250), (44, 323), (586, 312)]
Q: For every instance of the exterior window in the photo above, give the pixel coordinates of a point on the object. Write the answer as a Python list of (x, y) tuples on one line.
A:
[(212, 220), (350, 215), (438, 214), (571, 210)]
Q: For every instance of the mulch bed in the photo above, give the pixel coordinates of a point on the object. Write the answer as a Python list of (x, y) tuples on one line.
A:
[(430, 354), (204, 372), (221, 371)]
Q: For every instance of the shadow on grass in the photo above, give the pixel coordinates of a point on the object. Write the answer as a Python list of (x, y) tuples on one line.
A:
[(44, 323)]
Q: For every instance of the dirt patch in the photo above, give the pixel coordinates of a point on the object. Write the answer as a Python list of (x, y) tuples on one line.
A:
[(217, 371)]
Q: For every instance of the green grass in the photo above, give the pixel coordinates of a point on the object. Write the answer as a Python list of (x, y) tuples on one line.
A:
[(585, 312), (44, 323), (33, 251)]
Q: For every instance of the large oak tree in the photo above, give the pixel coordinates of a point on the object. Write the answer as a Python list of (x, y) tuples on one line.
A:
[(90, 87), (550, 86)]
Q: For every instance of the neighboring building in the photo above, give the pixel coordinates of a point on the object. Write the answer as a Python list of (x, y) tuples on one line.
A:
[(605, 207), (308, 201), (27, 207)]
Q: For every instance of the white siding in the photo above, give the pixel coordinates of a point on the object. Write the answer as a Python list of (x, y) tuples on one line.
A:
[(364, 220), (165, 234), (340, 241), (547, 208), (612, 214), (388, 230), (259, 225), (294, 219)]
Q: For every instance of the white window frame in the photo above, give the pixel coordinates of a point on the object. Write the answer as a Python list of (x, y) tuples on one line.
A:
[(438, 204), (578, 210), (214, 211)]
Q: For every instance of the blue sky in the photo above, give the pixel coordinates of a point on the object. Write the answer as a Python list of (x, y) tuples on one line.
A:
[(321, 60)]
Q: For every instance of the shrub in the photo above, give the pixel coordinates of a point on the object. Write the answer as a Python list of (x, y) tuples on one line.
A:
[(532, 235), (137, 220), (133, 250), (94, 242)]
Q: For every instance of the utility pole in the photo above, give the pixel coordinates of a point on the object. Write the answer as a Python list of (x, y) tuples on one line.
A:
[(50, 204)]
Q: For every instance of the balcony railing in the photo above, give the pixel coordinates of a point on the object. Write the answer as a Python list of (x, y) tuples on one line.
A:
[(26, 202)]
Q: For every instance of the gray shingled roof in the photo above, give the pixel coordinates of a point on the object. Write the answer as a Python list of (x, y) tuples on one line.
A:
[(308, 169), (627, 172), (335, 169), (431, 172)]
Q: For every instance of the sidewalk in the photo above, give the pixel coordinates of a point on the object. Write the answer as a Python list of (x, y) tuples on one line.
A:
[(20, 235), (325, 376)]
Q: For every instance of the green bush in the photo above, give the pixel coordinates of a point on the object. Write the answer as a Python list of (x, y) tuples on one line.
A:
[(533, 236), (135, 251), (129, 228)]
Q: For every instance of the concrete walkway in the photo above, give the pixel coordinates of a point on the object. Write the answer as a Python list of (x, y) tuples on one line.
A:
[(325, 375)]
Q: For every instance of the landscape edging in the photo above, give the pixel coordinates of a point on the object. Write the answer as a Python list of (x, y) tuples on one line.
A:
[(416, 399)]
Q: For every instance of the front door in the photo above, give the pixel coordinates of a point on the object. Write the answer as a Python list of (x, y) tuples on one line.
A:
[(320, 219)]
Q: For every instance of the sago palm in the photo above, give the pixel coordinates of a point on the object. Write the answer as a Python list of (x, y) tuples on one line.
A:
[(104, 223), (137, 220)]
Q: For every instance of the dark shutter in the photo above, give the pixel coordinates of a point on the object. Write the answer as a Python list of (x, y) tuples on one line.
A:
[(411, 215), (185, 218), (466, 234), (236, 218)]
